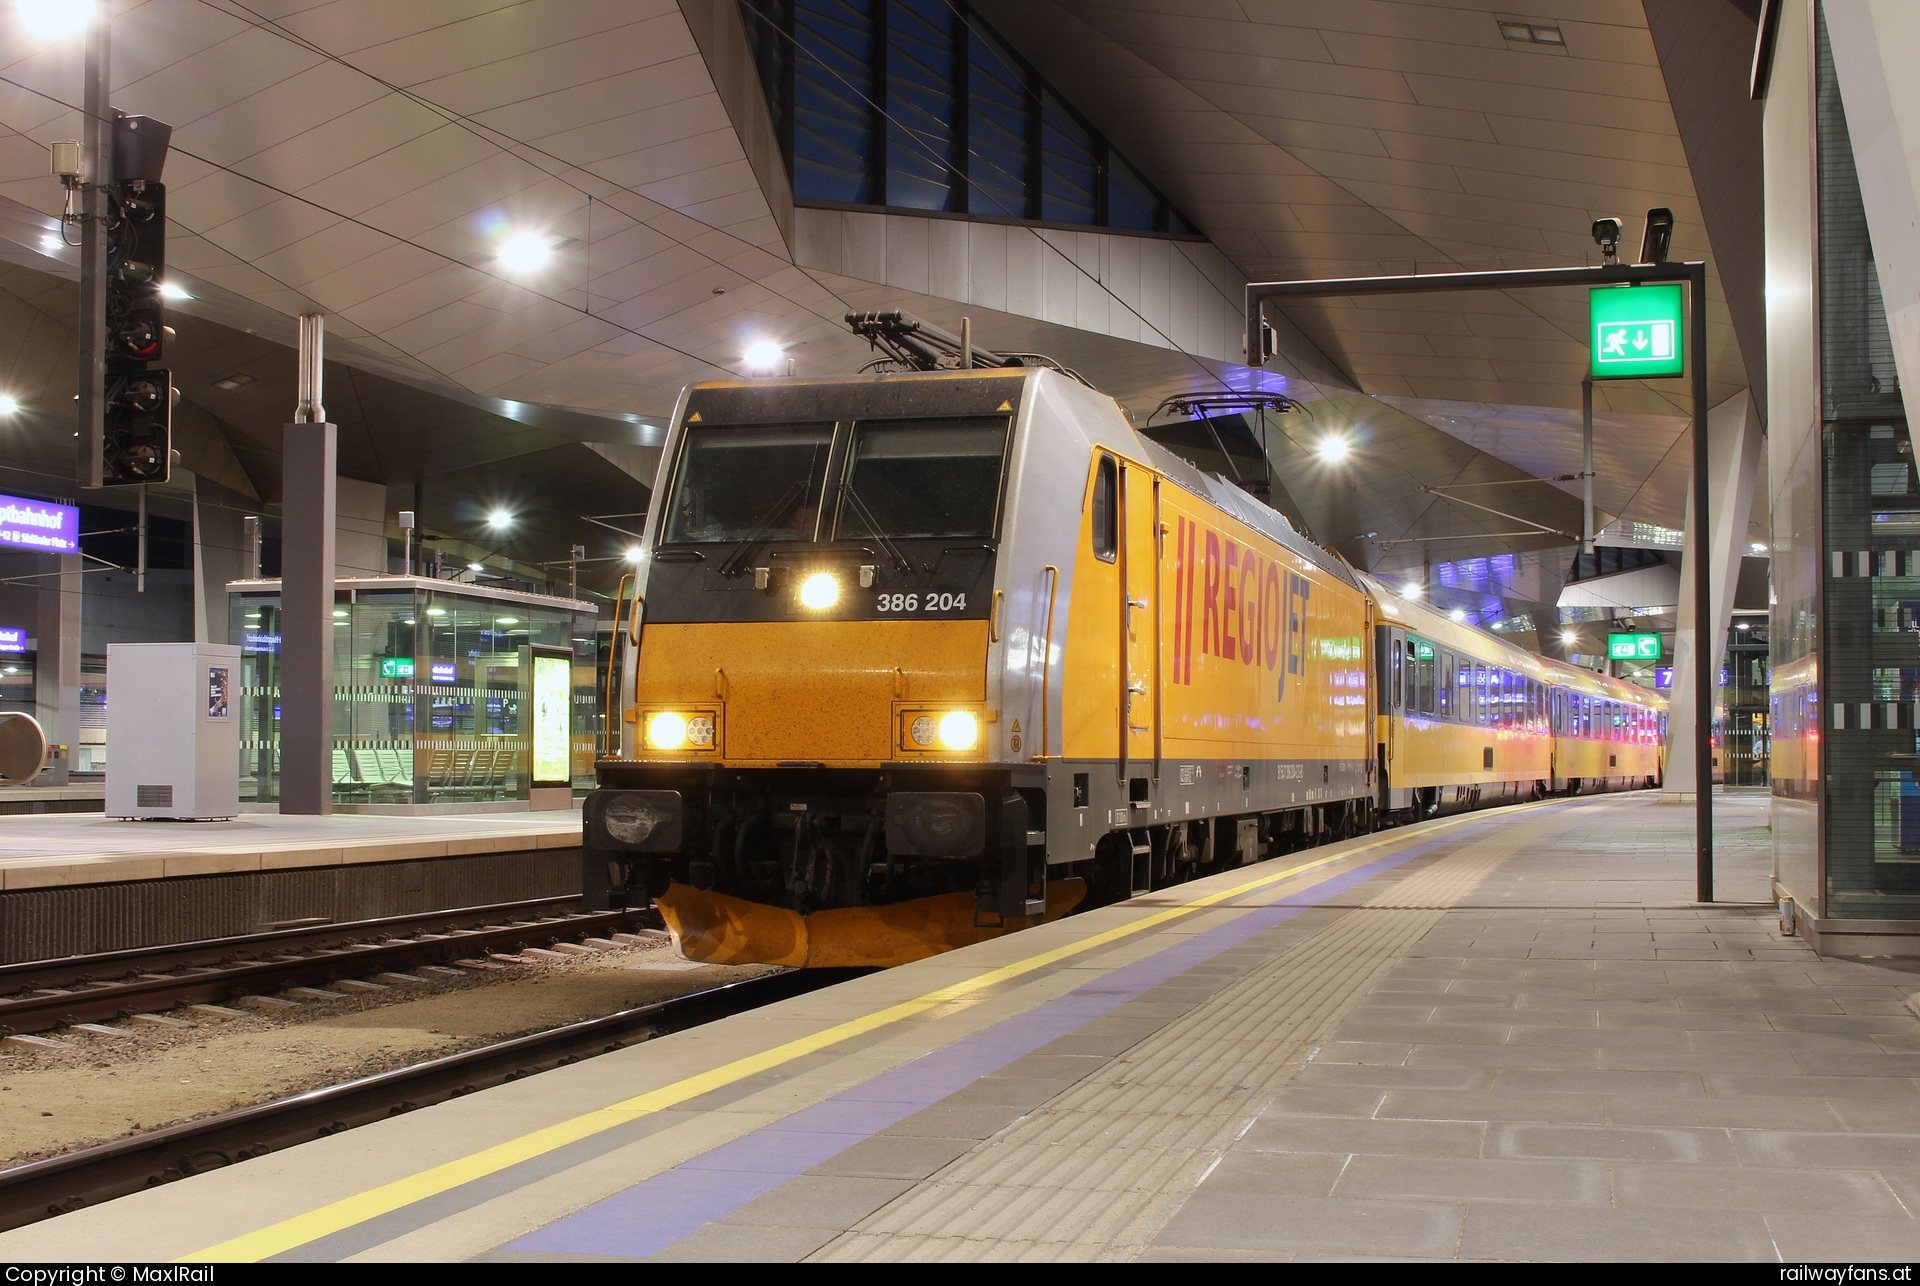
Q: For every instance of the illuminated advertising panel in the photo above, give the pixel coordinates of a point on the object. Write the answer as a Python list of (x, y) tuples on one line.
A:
[(552, 720)]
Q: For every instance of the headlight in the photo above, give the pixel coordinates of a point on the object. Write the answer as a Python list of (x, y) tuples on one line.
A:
[(959, 730), (819, 591), (669, 731), (922, 730)]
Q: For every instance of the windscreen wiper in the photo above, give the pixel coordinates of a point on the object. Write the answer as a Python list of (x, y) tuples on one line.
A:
[(900, 560), (762, 528)]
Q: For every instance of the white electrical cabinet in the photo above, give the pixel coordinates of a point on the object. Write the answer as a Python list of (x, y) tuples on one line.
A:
[(173, 730)]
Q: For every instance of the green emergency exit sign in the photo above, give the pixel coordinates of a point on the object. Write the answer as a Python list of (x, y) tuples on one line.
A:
[(396, 667), (1633, 647), (1635, 332)]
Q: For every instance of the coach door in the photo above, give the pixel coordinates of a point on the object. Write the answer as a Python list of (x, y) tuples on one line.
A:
[(1139, 622)]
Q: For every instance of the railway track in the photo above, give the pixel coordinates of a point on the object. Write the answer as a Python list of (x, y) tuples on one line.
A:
[(44, 994), (42, 1189)]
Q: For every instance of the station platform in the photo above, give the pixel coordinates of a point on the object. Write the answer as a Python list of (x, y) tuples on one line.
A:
[(39, 850), (79, 883), (1501, 1036)]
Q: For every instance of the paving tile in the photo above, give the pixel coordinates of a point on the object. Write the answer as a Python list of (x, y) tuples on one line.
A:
[(1826, 1151), (1388, 1076), (887, 1156), (1735, 1113), (1276, 1174), (1885, 1089), (731, 1243), (1443, 1105), (1831, 1238), (1608, 1142), (1707, 1187), (1364, 1052), (1276, 1131), (1474, 1179), (1315, 1228), (1601, 1081), (820, 1201)]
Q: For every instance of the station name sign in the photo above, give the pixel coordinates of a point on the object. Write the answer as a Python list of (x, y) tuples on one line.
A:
[(39, 526), (1633, 647), (1635, 332)]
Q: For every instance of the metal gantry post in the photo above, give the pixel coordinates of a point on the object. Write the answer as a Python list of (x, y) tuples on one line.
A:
[(1695, 277), (1705, 666)]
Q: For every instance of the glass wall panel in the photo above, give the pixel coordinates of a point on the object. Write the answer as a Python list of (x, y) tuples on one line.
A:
[(1870, 658), (833, 97), (921, 106), (1066, 165), (1130, 202), (431, 694), (916, 105), (998, 142)]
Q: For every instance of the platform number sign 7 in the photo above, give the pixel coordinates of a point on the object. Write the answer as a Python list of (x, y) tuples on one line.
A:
[(1636, 332)]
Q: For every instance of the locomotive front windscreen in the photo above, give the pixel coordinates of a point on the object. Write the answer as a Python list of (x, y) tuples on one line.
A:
[(910, 479), (761, 482)]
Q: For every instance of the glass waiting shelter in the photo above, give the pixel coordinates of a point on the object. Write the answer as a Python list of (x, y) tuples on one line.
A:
[(449, 695)]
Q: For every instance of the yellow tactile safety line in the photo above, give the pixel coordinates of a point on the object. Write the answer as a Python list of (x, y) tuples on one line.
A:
[(281, 1237)]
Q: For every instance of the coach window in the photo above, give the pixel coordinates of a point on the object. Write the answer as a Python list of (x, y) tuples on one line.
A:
[(1393, 681), (1476, 712), (1443, 685), (1106, 519), (1423, 675)]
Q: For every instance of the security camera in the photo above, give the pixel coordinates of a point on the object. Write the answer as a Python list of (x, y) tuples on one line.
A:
[(1658, 237), (1606, 235)]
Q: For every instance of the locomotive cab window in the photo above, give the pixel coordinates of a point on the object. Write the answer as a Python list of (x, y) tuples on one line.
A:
[(1106, 516), (760, 481), (908, 479)]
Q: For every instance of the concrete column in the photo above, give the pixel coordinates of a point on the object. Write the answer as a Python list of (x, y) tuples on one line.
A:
[(1873, 42), (56, 671), (1735, 449), (307, 535)]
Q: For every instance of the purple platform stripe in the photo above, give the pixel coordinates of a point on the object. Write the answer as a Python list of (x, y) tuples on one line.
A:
[(650, 1216)]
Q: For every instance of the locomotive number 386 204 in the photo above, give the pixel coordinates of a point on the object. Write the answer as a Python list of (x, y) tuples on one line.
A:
[(931, 601)]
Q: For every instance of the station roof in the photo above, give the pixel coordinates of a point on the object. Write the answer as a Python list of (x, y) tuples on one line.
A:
[(364, 160)]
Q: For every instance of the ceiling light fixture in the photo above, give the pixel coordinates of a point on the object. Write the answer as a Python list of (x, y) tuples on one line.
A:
[(236, 380), (1332, 448), (8, 405), (525, 252), (499, 518), (1531, 33), (762, 355), (636, 554), (53, 19)]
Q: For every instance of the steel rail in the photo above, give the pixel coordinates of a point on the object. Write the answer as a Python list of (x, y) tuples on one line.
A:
[(53, 1006), (42, 1189)]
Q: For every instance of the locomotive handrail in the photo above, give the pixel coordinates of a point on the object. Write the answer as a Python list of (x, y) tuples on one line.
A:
[(993, 617), (613, 664), (1046, 667)]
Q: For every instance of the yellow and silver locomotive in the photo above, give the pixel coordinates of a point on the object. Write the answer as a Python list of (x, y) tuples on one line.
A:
[(917, 658)]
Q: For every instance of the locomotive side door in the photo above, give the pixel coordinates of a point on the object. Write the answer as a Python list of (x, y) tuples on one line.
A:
[(1139, 617)]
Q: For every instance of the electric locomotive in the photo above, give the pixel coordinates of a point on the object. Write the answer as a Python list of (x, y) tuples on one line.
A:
[(917, 658)]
